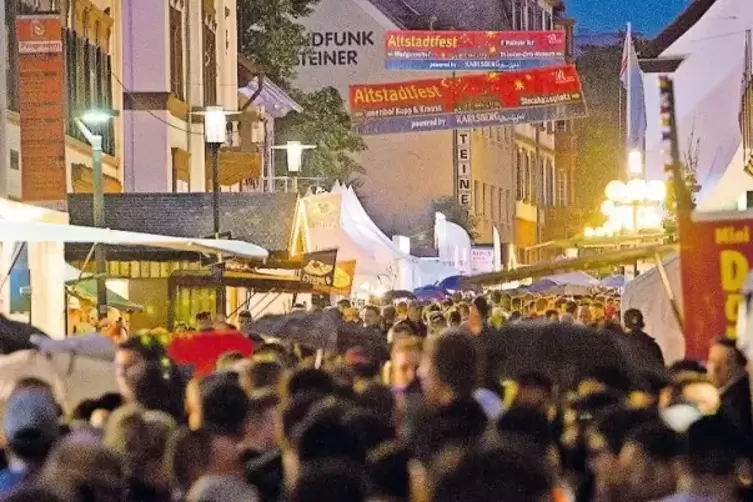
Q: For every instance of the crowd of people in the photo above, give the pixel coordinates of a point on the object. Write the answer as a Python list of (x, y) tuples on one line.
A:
[(436, 422)]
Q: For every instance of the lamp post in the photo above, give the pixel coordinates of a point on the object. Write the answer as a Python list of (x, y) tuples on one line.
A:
[(215, 134), (294, 156), (83, 122)]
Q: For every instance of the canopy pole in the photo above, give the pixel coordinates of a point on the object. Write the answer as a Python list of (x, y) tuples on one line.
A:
[(669, 292)]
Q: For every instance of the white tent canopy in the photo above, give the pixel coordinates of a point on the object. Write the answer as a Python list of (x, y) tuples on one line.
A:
[(28, 231)]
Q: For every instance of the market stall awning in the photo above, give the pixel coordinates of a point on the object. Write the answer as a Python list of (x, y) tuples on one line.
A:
[(84, 287), (582, 263), (28, 231)]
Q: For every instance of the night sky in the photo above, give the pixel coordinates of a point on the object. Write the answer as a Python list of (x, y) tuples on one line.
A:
[(648, 16)]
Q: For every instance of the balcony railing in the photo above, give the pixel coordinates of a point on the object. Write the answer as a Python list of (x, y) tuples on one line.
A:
[(286, 184)]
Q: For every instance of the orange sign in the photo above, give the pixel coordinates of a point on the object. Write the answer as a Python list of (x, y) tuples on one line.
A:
[(42, 107), (343, 281), (716, 254)]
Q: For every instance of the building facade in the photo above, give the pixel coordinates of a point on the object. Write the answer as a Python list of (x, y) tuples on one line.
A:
[(155, 62), (406, 173), (707, 52)]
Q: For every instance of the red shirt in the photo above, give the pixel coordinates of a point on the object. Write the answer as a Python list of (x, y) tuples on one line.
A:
[(201, 350)]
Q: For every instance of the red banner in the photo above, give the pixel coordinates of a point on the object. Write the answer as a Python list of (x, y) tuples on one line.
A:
[(464, 102), (715, 257), (41, 107), (473, 50)]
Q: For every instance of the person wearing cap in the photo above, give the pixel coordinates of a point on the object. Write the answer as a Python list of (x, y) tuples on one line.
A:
[(647, 346), (31, 428)]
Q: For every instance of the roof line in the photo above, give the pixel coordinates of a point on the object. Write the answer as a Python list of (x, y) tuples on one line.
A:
[(677, 28)]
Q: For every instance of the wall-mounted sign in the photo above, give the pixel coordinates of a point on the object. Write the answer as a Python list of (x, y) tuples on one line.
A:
[(318, 268), (463, 163), (336, 48), (495, 99), (473, 50), (323, 211), (482, 259), (41, 107)]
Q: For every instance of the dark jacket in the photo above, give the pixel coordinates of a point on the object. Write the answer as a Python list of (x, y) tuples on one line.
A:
[(736, 406), (646, 346)]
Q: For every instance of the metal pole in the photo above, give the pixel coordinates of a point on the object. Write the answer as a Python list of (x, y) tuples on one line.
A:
[(98, 205), (4, 167), (219, 301)]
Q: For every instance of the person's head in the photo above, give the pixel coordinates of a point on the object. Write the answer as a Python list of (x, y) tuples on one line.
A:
[(633, 320), (30, 425), (414, 312), (552, 315), (584, 314), (480, 311), (406, 358), (571, 308), (228, 488), (140, 439), (329, 480), (371, 316), (453, 318), (187, 458), (647, 462), (402, 310), (450, 367), (307, 380), (262, 420), (323, 434), (388, 471), (228, 360), (436, 323), (79, 465), (245, 319), (389, 314), (224, 409), (531, 424), (597, 311), (344, 305), (400, 330), (606, 438), (371, 427), (714, 451), (262, 373), (131, 359), (603, 378), (489, 473), (204, 321), (534, 389), (726, 363), (690, 388)]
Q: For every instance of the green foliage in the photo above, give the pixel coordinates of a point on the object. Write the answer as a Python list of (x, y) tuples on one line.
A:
[(456, 213), (689, 173), (270, 36), (324, 122), (600, 144)]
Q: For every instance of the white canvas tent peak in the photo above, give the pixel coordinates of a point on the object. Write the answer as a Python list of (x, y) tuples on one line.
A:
[(27, 231)]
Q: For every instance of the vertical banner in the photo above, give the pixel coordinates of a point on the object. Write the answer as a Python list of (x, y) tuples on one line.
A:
[(42, 107), (463, 161), (318, 268), (716, 253)]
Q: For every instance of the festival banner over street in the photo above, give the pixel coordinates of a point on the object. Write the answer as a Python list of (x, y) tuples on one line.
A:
[(473, 50), (495, 99), (715, 257)]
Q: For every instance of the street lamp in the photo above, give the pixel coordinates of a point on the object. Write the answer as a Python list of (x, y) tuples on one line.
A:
[(294, 156), (94, 118), (215, 134)]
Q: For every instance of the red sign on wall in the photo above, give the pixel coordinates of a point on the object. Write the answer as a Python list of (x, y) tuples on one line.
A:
[(41, 107), (716, 254)]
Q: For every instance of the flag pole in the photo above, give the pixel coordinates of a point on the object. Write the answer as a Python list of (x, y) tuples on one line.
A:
[(628, 89)]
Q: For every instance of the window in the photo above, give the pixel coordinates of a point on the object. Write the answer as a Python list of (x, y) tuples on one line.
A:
[(518, 175), (531, 18), (518, 16), (746, 111), (177, 78), (551, 183), (500, 206), (15, 161), (483, 200), (548, 21), (527, 195), (11, 10), (562, 199), (492, 196), (476, 197), (210, 66)]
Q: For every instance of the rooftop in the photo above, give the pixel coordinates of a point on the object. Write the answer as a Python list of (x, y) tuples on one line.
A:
[(264, 219)]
